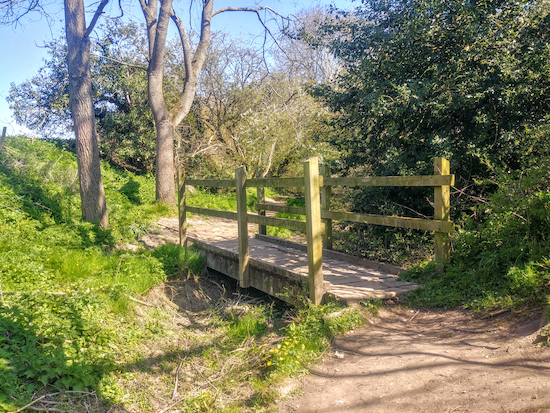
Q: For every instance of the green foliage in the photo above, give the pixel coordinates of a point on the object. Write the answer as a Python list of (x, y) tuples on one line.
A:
[(467, 80), (222, 199), (65, 306), (178, 261), (309, 335), (125, 123), (500, 259), (433, 78), (398, 246), (372, 305), (283, 232)]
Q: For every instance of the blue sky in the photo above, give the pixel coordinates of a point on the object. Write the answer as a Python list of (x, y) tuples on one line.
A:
[(22, 55)]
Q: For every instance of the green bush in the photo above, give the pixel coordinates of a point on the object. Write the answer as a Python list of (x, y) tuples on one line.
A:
[(500, 258), (309, 336), (66, 306), (179, 261)]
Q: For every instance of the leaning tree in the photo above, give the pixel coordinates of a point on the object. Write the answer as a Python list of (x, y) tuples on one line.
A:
[(92, 194), (167, 119)]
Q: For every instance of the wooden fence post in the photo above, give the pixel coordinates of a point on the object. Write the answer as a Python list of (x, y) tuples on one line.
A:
[(260, 195), (314, 231), (242, 219), (3, 138), (182, 213), (442, 206), (326, 196)]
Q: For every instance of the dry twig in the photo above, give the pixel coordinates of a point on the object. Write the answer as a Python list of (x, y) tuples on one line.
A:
[(30, 404), (175, 392), (143, 302), (412, 318)]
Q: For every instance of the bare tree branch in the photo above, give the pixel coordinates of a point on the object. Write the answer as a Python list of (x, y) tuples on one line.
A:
[(257, 10), (97, 14), (186, 46), (252, 9), (97, 56)]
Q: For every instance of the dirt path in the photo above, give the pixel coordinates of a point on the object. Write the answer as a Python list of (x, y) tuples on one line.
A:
[(409, 361), (415, 361)]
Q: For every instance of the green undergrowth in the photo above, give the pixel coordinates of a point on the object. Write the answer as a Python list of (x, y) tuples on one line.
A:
[(222, 198), (65, 286), (225, 200), (235, 356), (500, 260), (308, 335), (283, 232), (80, 312)]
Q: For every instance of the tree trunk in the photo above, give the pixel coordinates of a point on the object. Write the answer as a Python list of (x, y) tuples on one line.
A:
[(167, 120), (165, 191), (92, 194), (166, 186)]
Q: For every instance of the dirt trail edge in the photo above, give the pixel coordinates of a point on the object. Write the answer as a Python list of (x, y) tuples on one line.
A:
[(415, 361), (419, 361)]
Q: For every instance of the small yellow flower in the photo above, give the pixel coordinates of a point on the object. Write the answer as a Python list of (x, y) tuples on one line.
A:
[(269, 363)]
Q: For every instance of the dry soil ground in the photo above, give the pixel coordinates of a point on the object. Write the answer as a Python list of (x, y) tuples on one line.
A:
[(418, 361), (409, 361)]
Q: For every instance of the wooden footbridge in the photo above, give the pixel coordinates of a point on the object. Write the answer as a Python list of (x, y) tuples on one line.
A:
[(286, 269)]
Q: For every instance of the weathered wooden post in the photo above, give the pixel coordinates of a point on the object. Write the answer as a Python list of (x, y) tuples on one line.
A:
[(260, 195), (182, 213), (314, 231), (326, 196), (3, 138), (442, 206), (242, 219)]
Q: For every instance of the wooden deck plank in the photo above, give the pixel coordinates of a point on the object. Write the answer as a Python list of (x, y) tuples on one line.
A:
[(343, 280)]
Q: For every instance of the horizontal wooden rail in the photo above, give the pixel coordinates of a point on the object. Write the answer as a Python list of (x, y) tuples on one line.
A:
[(212, 212), (275, 182), (291, 224), (219, 183), (281, 208), (391, 221), (418, 180)]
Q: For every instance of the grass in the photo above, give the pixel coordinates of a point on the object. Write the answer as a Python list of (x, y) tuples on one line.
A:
[(233, 358), (66, 288), (225, 200), (80, 312)]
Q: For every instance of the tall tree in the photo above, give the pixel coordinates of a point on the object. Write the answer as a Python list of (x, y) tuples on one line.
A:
[(92, 195), (166, 120), (424, 78), (118, 64), (431, 77)]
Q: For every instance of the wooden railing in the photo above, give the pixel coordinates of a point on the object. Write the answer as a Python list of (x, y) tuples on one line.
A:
[(319, 217)]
